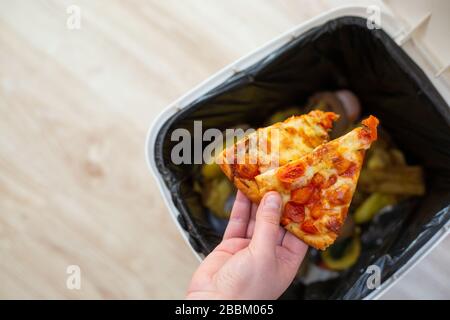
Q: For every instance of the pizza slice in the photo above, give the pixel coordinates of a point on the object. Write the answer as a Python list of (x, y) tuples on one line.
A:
[(273, 146), (317, 188)]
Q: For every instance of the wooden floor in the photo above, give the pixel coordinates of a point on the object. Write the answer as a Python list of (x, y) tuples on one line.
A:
[(74, 109)]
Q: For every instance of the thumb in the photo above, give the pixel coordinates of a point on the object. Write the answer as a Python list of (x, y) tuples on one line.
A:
[(267, 223)]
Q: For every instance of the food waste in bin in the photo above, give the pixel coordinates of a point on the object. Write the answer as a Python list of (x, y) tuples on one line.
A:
[(385, 181)]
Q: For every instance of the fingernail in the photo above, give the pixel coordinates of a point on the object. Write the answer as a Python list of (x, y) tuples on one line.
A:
[(272, 201)]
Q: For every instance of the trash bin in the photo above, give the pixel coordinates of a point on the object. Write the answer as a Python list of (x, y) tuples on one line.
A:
[(397, 73)]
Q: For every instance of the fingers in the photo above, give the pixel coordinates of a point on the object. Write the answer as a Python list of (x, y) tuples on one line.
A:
[(251, 226), (214, 261), (240, 214), (267, 225), (281, 235), (291, 253), (294, 245), (251, 223), (232, 246)]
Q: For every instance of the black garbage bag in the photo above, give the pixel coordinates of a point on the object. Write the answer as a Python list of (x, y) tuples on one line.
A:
[(340, 54)]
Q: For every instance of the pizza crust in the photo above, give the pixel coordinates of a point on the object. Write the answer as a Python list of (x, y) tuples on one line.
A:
[(248, 186), (320, 241)]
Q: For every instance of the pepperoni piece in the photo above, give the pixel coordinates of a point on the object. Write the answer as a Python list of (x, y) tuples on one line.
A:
[(309, 227), (290, 172), (370, 129), (315, 196), (364, 134), (317, 180), (327, 122), (340, 195), (316, 212), (331, 180), (326, 118), (246, 171), (284, 221), (334, 224), (351, 170), (320, 181), (302, 195), (294, 211), (341, 164)]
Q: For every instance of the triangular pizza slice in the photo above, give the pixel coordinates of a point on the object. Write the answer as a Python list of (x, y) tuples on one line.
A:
[(273, 146), (317, 188)]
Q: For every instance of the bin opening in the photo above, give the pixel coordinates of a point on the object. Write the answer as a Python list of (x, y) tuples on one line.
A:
[(340, 54)]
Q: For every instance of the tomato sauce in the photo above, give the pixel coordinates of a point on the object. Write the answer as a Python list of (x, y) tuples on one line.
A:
[(291, 172), (341, 164), (294, 211), (333, 224), (341, 195), (302, 195), (371, 124), (351, 170), (246, 171), (309, 227)]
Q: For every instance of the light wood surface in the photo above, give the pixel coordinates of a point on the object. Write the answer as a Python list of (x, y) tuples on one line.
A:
[(74, 109)]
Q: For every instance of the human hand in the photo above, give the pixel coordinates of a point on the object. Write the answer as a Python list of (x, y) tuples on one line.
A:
[(257, 258)]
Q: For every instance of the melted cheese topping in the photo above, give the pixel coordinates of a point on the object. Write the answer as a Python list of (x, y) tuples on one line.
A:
[(317, 188), (277, 145)]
